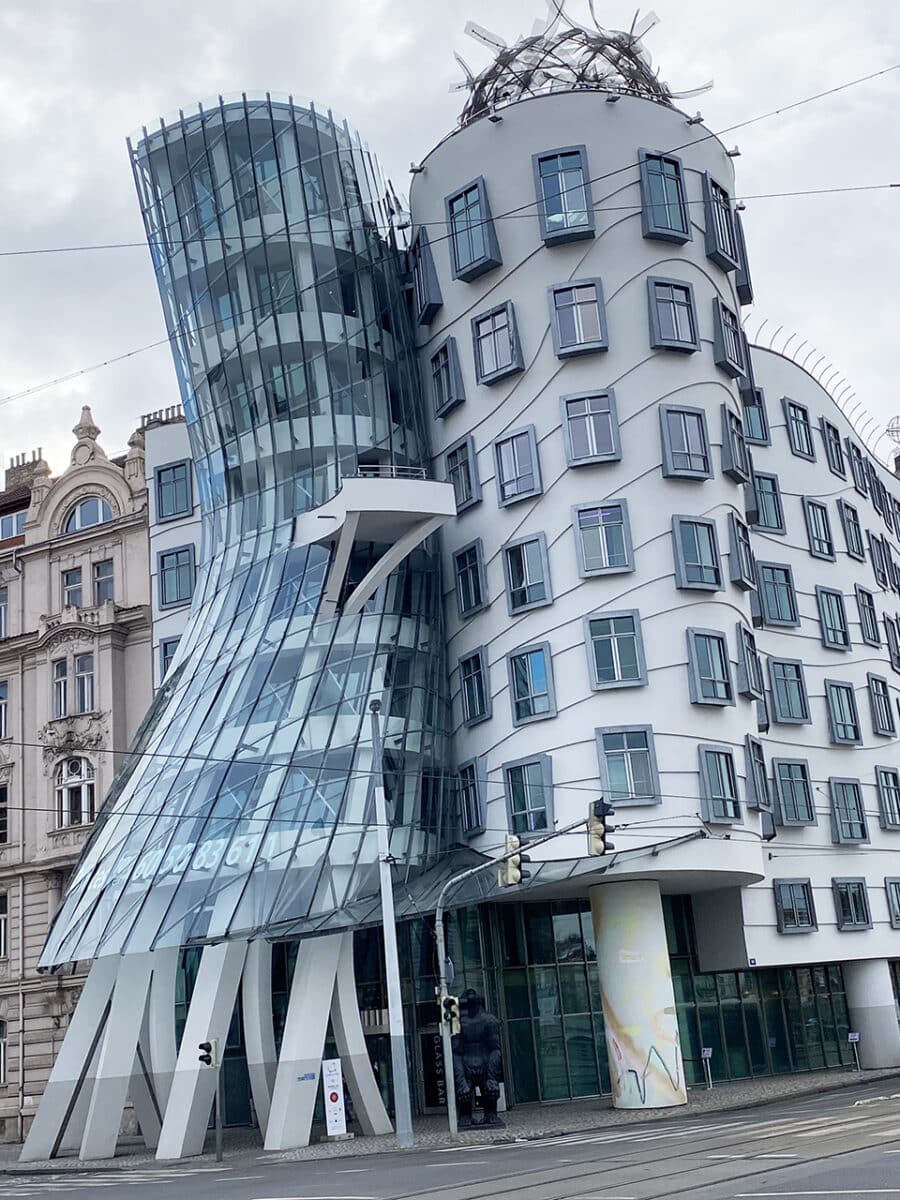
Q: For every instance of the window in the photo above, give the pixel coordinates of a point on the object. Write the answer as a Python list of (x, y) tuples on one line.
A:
[(74, 793), (167, 648), (527, 573), (447, 389), (831, 438), (749, 674), (602, 538), (741, 562), (563, 187), (577, 317), (857, 467), (664, 211), (878, 557), (697, 564), (173, 491), (721, 246), (473, 242), (735, 463), (743, 284), (833, 619), (685, 443), (851, 904), (84, 683), (471, 805), (769, 509), (756, 419), (628, 771), (794, 909), (471, 589), (474, 687), (531, 684), (790, 701), (275, 291), (518, 466), (709, 671), (868, 617), (852, 530), (4, 612), (60, 688), (757, 779), (892, 634), (888, 780), (673, 318), (799, 429), (4, 706), (892, 887), (12, 524), (71, 588), (529, 794), (615, 649), (591, 428), (176, 576), (794, 791), (426, 289), (103, 581), (728, 343), (90, 511), (462, 472), (4, 953), (818, 529), (843, 718), (4, 818), (496, 342), (880, 703), (718, 784), (779, 600)]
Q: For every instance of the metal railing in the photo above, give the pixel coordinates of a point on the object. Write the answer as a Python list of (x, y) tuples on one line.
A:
[(386, 471)]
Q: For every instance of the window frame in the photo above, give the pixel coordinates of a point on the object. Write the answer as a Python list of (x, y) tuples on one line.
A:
[(741, 559), (107, 577), (519, 652), (574, 233), (468, 443), (781, 527), (477, 765), (512, 544), (84, 683), (491, 257), (659, 340), (756, 778), (427, 296), (158, 486), (857, 461), (479, 653), (707, 800), (812, 535), (527, 431), (695, 682), (892, 882), (793, 930), (778, 718), (593, 345), (821, 593), (837, 836), (456, 384), (669, 470), (615, 454), (856, 547), (845, 686), (856, 881), (586, 572), (476, 545), (735, 460), (743, 283), (163, 554), (545, 762), (4, 613), (888, 808), (749, 680), (779, 785), (733, 365), (836, 464), (602, 614), (758, 403), (516, 364), (70, 588), (777, 622), (680, 564), (165, 660), (787, 404), (881, 728), (605, 784), (650, 227), (872, 635), (723, 256), (73, 516), (87, 783)]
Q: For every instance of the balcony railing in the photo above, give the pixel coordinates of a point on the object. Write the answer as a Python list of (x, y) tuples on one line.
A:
[(385, 471)]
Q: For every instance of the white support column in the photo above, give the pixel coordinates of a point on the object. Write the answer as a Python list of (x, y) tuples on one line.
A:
[(74, 1131), (259, 1028), (193, 1085), (73, 1063), (123, 1030), (873, 1012), (639, 1013), (351, 1046), (142, 1089), (297, 1078), (162, 1046)]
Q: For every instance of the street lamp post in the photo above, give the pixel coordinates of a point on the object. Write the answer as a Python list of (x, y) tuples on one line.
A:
[(402, 1108)]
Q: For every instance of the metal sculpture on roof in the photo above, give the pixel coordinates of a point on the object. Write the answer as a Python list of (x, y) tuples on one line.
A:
[(560, 54)]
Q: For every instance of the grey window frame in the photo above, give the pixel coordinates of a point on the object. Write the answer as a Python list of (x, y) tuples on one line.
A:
[(855, 544), (650, 227), (836, 464), (735, 459), (165, 655), (681, 579), (695, 682), (868, 632), (606, 786), (476, 545), (479, 653), (593, 345), (756, 785), (732, 364), (759, 403), (892, 892), (787, 403), (613, 455), (707, 800), (477, 766), (812, 535), (532, 648), (456, 392), (877, 556), (743, 283), (724, 256), (888, 807), (768, 619), (779, 784), (512, 544), (162, 554), (892, 637), (491, 257), (821, 593), (574, 233), (546, 764), (157, 488), (888, 727), (602, 614), (659, 340), (791, 930), (741, 560), (528, 432), (586, 572), (750, 682), (669, 470), (516, 364), (426, 286), (857, 461), (778, 717), (846, 687), (855, 882), (776, 494), (468, 444)]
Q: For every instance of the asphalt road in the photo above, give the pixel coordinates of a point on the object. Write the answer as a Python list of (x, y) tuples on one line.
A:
[(844, 1145)]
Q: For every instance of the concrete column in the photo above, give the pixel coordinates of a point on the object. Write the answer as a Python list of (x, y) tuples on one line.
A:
[(350, 1040), (160, 1042), (873, 1012), (259, 1028), (642, 1039)]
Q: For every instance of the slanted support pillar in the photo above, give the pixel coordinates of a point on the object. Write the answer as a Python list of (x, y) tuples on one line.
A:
[(259, 1028), (350, 1039), (873, 1013)]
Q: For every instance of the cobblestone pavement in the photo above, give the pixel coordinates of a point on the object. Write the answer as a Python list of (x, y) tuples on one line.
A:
[(526, 1121)]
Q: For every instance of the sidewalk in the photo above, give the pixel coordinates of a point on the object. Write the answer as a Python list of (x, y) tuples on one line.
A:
[(526, 1122)]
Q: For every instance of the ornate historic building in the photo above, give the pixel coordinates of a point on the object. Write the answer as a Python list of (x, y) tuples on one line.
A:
[(75, 682)]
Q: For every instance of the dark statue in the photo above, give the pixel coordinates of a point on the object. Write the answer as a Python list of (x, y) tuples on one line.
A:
[(477, 1060)]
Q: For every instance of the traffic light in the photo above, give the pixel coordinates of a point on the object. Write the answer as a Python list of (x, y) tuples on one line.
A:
[(450, 1012), (209, 1053), (598, 827), (511, 872)]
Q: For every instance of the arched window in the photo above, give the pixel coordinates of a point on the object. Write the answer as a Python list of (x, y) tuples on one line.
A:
[(91, 511), (74, 793)]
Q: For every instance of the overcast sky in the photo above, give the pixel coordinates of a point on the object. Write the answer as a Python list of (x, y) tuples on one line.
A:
[(77, 76)]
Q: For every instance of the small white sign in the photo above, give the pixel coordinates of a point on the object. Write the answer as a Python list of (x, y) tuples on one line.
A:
[(333, 1087), (706, 1052), (852, 1037)]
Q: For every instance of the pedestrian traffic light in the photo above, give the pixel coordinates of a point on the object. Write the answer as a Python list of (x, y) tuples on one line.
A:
[(450, 1012), (598, 827), (209, 1053), (511, 872)]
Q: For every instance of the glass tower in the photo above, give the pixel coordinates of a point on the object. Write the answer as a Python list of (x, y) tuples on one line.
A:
[(246, 804)]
